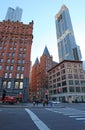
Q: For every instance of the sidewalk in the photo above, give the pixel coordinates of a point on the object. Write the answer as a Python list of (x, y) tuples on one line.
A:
[(22, 105), (30, 105)]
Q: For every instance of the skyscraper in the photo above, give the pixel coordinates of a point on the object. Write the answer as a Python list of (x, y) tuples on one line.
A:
[(67, 47), (14, 14)]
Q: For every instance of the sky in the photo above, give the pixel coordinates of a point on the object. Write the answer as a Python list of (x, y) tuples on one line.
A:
[(43, 12)]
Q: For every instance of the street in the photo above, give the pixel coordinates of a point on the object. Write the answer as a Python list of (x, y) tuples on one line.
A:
[(60, 117)]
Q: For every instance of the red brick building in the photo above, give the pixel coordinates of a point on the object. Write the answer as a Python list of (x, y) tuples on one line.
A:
[(15, 51), (39, 82)]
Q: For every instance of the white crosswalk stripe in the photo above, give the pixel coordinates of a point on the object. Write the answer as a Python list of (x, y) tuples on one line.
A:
[(78, 115)]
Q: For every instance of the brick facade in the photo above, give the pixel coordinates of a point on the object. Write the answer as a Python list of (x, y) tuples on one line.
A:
[(15, 51), (39, 81)]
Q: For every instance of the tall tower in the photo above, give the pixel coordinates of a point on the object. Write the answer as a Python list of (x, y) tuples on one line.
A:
[(67, 47), (14, 14)]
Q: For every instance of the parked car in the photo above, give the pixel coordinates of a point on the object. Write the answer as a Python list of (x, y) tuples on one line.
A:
[(9, 99)]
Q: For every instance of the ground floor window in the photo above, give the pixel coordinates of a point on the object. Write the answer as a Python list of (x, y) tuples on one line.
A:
[(9, 85), (21, 85), (4, 84), (16, 85)]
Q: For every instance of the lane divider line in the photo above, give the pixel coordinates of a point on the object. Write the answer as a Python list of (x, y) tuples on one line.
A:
[(41, 125)]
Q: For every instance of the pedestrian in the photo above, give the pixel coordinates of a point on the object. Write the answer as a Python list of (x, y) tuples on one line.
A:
[(37, 103), (3, 95), (34, 103), (20, 96), (43, 102)]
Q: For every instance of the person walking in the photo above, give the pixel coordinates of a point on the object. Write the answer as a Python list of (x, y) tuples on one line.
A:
[(3, 95)]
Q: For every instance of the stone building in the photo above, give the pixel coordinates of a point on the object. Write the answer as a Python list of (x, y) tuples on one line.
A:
[(67, 82)]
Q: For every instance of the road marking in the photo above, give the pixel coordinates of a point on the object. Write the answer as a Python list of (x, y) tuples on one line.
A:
[(37, 121), (80, 119), (77, 116)]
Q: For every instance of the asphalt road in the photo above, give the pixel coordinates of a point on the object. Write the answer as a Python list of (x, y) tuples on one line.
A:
[(61, 117)]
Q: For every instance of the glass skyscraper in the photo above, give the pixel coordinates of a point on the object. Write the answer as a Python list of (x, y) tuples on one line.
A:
[(67, 47), (14, 14)]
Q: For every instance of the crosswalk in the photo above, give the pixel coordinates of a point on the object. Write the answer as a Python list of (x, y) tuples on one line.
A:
[(78, 115)]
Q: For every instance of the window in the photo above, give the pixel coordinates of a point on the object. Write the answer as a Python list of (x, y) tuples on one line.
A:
[(7, 67), (77, 89), (16, 85), (20, 55), (11, 67), (10, 75), (77, 82), (54, 86), (58, 79), (21, 85), (22, 76), (9, 54), (19, 61), (70, 82), (14, 49), (83, 89), (58, 84), (63, 77), (76, 76), (0, 67), (8, 61), (69, 70), (13, 54), (18, 68), (54, 80), (2, 54), (4, 84), (23, 61), (63, 83), (1, 60), (4, 48), (54, 91), (81, 76), (62, 71), (70, 76), (10, 48), (75, 65), (24, 55), (71, 89), (82, 82), (24, 49), (9, 85), (22, 68), (75, 70), (0, 47), (17, 76), (12, 61), (64, 89), (6, 75), (68, 64), (21, 49), (58, 73)]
